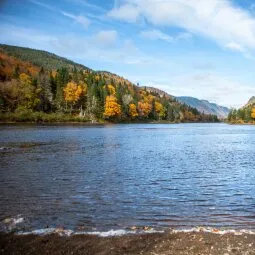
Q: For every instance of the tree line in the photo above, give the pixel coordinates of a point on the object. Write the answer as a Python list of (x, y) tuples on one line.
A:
[(242, 115), (90, 95)]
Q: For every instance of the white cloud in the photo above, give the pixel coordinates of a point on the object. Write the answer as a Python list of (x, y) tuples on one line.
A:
[(106, 37), (156, 34), (235, 46), (126, 12), (104, 47), (79, 19), (218, 20)]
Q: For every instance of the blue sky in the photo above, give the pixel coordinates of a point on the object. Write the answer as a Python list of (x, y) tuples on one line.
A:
[(200, 48)]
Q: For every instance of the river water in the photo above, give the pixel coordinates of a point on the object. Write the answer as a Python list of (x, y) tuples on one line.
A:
[(118, 176)]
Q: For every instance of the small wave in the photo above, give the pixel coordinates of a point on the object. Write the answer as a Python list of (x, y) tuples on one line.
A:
[(122, 232), (214, 231), (6, 149), (11, 223), (68, 232)]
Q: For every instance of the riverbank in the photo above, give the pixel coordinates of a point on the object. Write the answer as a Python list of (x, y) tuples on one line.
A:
[(190, 243), (54, 118), (240, 123)]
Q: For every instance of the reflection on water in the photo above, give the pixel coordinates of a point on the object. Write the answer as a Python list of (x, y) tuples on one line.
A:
[(124, 175)]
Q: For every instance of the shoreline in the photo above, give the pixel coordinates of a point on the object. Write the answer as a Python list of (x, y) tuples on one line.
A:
[(100, 123), (172, 243)]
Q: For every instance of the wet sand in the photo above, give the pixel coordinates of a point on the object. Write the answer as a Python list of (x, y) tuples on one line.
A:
[(156, 243)]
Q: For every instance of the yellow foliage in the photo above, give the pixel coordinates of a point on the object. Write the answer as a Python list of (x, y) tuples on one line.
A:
[(111, 108), (189, 116), (253, 113), (97, 77), (144, 108), (73, 92), (132, 110), (28, 94), (160, 110), (25, 79), (111, 89), (149, 98)]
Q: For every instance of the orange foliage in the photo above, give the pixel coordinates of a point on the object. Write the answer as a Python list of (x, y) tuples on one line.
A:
[(9, 63), (132, 110), (111, 108), (144, 109)]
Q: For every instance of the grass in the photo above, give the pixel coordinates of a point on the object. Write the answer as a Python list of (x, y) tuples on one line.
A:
[(39, 117)]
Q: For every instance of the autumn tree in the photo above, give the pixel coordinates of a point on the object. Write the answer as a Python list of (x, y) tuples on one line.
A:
[(144, 109), (160, 110), (133, 111), (111, 89), (73, 93), (112, 108), (28, 94), (253, 113)]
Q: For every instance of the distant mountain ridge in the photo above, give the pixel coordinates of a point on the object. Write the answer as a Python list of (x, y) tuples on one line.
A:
[(205, 106)]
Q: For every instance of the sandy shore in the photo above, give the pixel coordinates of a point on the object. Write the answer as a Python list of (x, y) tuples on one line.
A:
[(156, 243)]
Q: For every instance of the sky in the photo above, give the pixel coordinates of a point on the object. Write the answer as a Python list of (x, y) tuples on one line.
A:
[(199, 48)]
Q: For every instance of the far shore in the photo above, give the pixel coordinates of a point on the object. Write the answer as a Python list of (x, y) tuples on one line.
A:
[(190, 243)]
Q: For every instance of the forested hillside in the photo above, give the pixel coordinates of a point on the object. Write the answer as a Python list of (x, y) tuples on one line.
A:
[(40, 86), (40, 58), (243, 115)]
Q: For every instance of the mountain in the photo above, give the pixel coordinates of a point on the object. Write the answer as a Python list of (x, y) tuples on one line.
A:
[(205, 106), (160, 92), (35, 84), (251, 102)]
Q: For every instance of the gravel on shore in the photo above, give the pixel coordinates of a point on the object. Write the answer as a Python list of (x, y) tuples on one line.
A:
[(157, 243)]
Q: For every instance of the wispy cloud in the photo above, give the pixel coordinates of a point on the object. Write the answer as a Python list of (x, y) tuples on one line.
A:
[(80, 19), (88, 5), (47, 6), (84, 21), (218, 20), (156, 34), (104, 46)]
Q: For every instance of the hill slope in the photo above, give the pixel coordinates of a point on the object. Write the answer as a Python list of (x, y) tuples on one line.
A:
[(251, 102), (205, 106), (39, 57), (38, 81)]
